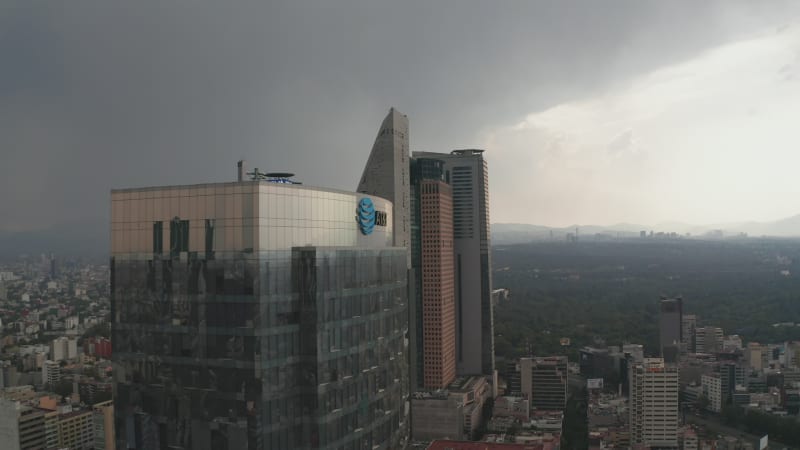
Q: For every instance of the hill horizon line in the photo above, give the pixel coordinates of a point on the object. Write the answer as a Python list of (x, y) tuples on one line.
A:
[(785, 227)]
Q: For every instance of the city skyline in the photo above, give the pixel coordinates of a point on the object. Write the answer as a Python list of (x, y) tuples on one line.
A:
[(569, 101), (576, 227)]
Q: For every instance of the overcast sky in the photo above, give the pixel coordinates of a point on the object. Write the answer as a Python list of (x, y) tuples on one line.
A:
[(591, 112)]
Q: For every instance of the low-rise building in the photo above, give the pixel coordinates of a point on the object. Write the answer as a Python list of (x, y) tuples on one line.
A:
[(434, 415), (21, 427), (472, 392), (516, 407), (51, 428), (76, 430), (452, 413), (688, 438), (18, 393)]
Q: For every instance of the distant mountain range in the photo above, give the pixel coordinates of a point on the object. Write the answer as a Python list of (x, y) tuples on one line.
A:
[(90, 239), (510, 233)]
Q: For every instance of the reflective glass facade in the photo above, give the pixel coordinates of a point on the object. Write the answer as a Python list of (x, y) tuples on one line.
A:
[(256, 316)]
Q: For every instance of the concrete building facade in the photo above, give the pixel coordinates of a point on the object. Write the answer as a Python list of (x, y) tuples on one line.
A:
[(103, 423), (709, 339), (387, 175), (688, 326), (51, 373), (670, 327), (471, 392), (432, 260), (454, 411), (438, 298), (754, 356), (467, 173), (435, 415), (712, 390), (21, 427), (653, 403), (63, 348), (76, 430), (544, 382), (51, 428)]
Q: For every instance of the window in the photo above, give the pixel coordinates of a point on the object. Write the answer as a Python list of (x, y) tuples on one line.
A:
[(178, 237), (209, 238), (158, 237)]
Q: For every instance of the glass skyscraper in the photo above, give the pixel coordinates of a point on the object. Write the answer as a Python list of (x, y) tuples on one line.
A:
[(256, 315)]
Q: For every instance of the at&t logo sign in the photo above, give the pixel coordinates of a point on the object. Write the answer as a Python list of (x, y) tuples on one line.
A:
[(367, 217)]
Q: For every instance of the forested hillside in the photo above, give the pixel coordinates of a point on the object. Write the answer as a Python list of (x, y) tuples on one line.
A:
[(610, 290)]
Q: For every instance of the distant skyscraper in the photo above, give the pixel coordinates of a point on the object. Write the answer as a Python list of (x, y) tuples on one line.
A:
[(653, 404), (257, 315), (387, 173), (53, 267), (432, 260), (670, 327), (467, 173), (688, 326), (709, 339)]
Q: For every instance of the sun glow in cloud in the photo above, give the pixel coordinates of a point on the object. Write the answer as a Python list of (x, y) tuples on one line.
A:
[(713, 139)]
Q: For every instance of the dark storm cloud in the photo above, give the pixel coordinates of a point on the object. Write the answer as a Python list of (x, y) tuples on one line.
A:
[(95, 95)]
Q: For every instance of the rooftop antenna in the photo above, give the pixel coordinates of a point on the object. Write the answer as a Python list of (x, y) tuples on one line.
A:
[(241, 167)]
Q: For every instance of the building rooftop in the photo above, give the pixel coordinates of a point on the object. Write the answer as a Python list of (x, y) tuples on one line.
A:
[(72, 414), (464, 384), (467, 151), (466, 445), (232, 184)]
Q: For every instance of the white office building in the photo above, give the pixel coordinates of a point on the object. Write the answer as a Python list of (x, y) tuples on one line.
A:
[(712, 389), (653, 406), (51, 372), (63, 348)]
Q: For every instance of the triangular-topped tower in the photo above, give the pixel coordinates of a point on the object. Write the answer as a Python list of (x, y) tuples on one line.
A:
[(386, 173)]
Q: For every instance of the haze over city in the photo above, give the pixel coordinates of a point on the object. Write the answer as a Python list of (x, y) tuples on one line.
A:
[(590, 113), (407, 225)]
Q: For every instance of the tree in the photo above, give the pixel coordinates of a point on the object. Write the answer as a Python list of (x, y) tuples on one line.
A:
[(702, 402), (101, 329), (63, 388), (733, 415), (576, 421)]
